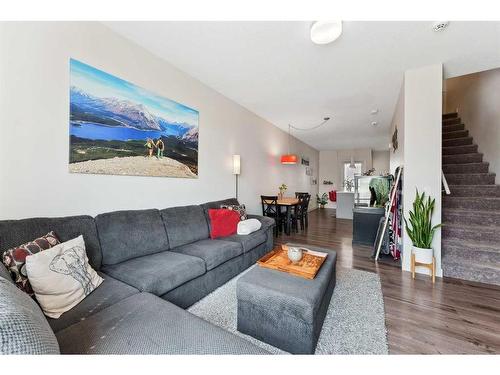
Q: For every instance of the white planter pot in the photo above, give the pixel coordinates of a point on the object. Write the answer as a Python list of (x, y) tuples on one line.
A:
[(423, 255)]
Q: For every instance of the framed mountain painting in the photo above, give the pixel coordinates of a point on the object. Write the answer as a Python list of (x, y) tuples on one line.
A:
[(118, 128)]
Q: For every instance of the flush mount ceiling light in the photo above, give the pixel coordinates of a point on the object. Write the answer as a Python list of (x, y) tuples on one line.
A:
[(324, 32), (374, 123), (440, 25)]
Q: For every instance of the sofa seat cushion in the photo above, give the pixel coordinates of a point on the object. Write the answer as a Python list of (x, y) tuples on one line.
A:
[(109, 292), (146, 324), (213, 252), (249, 241), (157, 273)]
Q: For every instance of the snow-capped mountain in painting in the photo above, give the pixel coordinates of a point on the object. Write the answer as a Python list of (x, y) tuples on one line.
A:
[(116, 112)]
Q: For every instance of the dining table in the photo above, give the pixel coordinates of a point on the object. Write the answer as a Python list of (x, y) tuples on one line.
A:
[(287, 203)]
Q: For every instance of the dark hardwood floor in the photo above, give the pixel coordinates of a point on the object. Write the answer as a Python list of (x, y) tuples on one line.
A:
[(449, 317)]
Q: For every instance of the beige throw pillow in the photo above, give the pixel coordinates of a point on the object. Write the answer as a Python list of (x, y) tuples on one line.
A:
[(61, 276)]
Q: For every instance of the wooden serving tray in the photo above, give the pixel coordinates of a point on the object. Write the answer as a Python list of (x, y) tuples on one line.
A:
[(307, 268)]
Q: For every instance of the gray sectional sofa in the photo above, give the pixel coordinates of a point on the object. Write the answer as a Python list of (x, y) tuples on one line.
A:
[(155, 263)]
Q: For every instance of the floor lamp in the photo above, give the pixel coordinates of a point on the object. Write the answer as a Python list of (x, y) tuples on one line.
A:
[(236, 170)]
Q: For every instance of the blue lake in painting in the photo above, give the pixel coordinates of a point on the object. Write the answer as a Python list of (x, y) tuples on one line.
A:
[(93, 131)]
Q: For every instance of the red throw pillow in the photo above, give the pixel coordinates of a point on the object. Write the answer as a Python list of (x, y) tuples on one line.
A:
[(223, 222)]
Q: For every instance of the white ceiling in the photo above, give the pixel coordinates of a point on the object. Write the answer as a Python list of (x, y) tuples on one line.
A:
[(274, 70)]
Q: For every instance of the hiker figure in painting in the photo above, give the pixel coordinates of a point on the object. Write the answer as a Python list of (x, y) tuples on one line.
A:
[(149, 147), (160, 146)]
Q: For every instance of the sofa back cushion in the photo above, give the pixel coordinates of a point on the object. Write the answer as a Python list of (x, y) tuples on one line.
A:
[(185, 225), (16, 232), (216, 205), (130, 234), (23, 327)]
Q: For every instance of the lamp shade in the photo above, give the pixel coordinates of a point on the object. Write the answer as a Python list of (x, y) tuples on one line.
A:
[(236, 164), (289, 159)]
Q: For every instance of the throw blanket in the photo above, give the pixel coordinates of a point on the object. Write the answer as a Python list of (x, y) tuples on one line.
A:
[(248, 226)]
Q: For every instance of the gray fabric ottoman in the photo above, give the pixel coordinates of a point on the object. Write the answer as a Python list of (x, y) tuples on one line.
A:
[(284, 310)]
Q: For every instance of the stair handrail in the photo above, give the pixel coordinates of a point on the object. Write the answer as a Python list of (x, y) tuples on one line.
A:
[(445, 183)]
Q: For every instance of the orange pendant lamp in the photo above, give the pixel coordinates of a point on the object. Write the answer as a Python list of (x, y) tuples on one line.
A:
[(289, 158)]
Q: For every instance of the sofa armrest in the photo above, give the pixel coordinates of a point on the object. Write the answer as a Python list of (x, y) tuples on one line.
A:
[(267, 222)]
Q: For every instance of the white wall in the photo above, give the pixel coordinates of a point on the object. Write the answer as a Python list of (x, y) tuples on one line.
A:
[(380, 161), (476, 96), (34, 114), (422, 148), (331, 167)]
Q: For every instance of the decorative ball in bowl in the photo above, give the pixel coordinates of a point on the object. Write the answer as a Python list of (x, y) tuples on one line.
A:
[(295, 254)]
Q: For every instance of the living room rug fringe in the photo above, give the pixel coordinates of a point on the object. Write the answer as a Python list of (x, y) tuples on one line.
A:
[(355, 321)]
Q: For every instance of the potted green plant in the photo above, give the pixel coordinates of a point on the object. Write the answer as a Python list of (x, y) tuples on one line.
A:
[(322, 200), (419, 228), (282, 189), (348, 184)]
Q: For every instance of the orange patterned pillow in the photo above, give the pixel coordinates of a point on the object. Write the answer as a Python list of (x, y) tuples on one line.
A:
[(240, 209), (15, 258)]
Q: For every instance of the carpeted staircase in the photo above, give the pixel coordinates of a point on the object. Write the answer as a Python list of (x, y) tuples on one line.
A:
[(471, 213)]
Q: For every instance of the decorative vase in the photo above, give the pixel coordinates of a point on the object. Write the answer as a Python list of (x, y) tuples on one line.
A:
[(280, 195), (295, 254), (321, 206), (423, 255)]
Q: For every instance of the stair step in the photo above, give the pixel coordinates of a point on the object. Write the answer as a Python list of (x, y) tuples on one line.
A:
[(463, 158), (450, 115), (471, 233), (482, 167), (475, 190), (452, 216), (453, 128), (463, 269), (471, 251), (470, 178), (457, 141), (454, 150), (456, 134), (451, 121), (472, 203)]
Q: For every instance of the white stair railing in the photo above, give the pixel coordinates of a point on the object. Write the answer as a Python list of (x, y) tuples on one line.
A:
[(445, 184)]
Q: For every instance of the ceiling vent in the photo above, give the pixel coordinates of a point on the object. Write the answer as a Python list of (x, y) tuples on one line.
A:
[(440, 25)]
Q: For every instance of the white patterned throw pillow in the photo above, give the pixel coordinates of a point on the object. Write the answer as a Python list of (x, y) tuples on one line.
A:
[(61, 276)]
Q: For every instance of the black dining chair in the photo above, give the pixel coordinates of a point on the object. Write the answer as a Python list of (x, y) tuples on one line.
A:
[(298, 194), (301, 214), (270, 208)]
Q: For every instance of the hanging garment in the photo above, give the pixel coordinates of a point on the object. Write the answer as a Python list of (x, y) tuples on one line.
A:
[(396, 223), (332, 195)]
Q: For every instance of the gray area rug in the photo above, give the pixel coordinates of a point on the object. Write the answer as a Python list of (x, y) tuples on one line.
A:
[(354, 324)]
